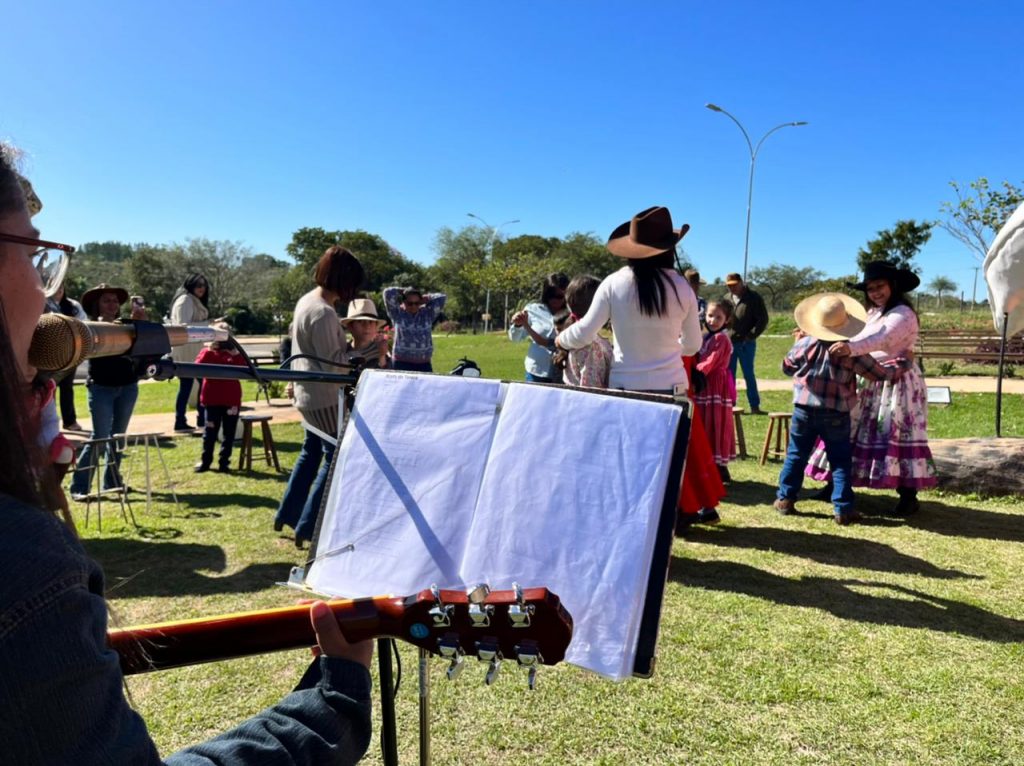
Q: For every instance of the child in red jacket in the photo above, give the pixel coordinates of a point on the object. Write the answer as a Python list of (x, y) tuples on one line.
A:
[(222, 400)]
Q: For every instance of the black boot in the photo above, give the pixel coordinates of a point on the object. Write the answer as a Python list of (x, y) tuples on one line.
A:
[(824, 494), (908, 502), (723, 472)]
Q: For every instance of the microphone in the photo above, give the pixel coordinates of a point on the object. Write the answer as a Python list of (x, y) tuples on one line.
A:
[(61, 342)]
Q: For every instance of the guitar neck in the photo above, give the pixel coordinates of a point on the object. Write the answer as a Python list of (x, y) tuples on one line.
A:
[(189, 642)]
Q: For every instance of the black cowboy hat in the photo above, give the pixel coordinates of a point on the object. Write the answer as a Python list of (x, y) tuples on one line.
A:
[(903, 280), (647, 233), (92, 295)]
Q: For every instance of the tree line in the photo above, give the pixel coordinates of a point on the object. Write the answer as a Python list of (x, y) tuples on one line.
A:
[(478, 271)]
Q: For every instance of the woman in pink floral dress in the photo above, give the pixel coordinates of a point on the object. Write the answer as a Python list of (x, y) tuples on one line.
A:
[(890, 440)]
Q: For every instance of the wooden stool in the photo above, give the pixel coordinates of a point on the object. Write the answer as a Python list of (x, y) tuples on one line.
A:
[(778, 423), (741, 440), (269, 450)]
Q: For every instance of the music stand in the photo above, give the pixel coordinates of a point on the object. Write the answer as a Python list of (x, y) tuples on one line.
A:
[(669, 440)]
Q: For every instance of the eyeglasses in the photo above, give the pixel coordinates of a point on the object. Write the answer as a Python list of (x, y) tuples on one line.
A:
[(409, 305), (50, 259)]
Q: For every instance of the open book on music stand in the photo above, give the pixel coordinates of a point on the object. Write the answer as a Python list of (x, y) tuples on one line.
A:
[(458, 481)]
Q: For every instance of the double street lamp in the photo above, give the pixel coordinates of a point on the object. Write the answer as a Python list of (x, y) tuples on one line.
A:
[(753, 158), (490, 254)]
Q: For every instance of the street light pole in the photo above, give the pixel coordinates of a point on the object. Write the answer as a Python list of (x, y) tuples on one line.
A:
[(490, 253), (753, 159)]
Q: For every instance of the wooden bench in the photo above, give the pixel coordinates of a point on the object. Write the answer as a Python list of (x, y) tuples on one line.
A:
[(968, 346)]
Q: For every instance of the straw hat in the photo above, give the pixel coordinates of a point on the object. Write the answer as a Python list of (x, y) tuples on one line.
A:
[(830, 316), (362, 308), (647, 233)]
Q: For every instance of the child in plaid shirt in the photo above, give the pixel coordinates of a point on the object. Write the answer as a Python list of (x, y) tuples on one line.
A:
[(824, 390)]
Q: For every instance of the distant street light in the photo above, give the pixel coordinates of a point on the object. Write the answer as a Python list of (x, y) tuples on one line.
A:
[(753, 158), (490, 254)]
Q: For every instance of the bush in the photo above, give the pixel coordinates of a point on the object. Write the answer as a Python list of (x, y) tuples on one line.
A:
[(449, 326)]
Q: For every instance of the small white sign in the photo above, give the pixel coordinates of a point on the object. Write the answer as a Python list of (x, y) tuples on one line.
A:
[(938, 395)]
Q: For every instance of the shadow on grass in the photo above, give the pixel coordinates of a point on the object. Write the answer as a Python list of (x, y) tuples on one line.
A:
[(905, 607), (136, 569), (935, 516), (834, 550), (203, 500), (193, 504)]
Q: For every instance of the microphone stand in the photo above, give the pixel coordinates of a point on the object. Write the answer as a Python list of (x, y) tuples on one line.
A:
[(166, 369)]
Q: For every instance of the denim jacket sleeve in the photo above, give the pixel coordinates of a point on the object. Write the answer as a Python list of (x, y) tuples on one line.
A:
[(62, 697)]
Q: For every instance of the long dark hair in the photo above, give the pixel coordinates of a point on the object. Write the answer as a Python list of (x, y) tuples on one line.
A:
[(22, 472), (896, 298), (553, 284), (651, 280), (192, 282)]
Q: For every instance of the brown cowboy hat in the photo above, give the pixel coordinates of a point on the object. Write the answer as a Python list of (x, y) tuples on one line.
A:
[(904, 280), (648, 233), (830, 316), (362, 308), (92, 295)]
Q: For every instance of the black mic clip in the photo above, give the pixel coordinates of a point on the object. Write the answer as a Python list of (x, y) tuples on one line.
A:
[(151, 343)]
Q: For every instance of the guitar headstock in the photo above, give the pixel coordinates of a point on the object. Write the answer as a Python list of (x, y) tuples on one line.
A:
[(528, 625)]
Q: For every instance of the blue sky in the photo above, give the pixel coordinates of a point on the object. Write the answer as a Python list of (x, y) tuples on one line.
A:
[(247, 120)]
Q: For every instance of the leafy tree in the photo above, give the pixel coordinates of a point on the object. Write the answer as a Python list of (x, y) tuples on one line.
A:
[(461, 256), (941, 285), (382, 263), (783, 282), (898, 245), (96, 262), (309, 243), (829, 285), (581, 253), (977, 215)]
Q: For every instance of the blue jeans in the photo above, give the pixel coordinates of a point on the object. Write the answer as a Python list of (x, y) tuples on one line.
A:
[(531, 378), (300, 505), (833, 426), (311, 509), (181, 403), (111, 409), (743, 351)]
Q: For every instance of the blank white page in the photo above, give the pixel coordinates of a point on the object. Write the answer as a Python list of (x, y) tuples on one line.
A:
[(570, 500), (404, 488)]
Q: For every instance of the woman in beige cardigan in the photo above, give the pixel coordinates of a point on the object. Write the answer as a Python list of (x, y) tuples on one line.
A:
[(316, 331), (189, 307)]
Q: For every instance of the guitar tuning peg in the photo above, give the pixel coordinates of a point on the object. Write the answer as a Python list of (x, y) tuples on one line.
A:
[(456, 666), (478, 594), (528, 656), (519, 613), (488, 652), (492, 670), (440, 613)]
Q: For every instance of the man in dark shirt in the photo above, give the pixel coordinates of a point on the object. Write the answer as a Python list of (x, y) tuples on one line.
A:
[(749, 320)]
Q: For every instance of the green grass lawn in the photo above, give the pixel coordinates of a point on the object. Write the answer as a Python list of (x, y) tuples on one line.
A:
[(784, 640)]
